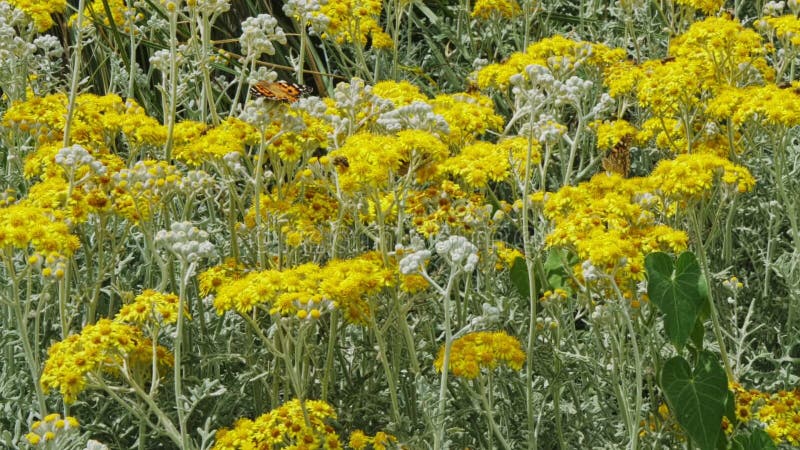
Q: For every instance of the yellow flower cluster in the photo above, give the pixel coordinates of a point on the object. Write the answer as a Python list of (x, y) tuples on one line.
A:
[(778, 413), (107, 346), (46, 430), (355, 21), (506, 255), (308, 290), (447, 204), (375, 161), (39, 11), (786, 28), (691, 177), (196, 144), (284, 427), (725, 47), (303, 211), (706, 6), (468, 115), (478, 164), (401, 93), (23, 226), (152, 306), (360, 440), (611, 222), (485, 9), (95, 12), (482, 350), (764, 105), (557, 53), (611, 133)]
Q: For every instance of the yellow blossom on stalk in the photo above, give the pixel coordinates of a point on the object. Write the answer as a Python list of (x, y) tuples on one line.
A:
[(610, 221), (40, 11), (95, 12), (665, 131), (151, 306), (401, 93), (305, 208), (290, 147), (668, 88), (611, 133), (728, 51), (777, 413), (691, 176), (196, 144), (517, 148), (354, 21), (309, 289), (482, 350), (212, 279), (621, 78), (706, 6), (767, 105), (557, 53), (468, 116), (99, 348), (50, 427), (786, 28), (286, 425), (506, 255), (372, 161), (485, 9), (478, 164), (23, 226), (447, 204), (43, 118)]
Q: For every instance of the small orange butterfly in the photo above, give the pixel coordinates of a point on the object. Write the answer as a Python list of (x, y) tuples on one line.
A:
[(618, 159), (282, 91)]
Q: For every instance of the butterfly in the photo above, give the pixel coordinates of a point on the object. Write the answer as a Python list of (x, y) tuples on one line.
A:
[(281, 91), (618, 159)]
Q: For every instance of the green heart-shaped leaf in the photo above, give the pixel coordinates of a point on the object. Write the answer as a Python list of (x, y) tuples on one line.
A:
[(697, 397), (675, 291)]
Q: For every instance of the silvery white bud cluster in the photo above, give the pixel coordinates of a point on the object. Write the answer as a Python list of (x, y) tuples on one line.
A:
[(258, 34), (234, 162), (12, 47), (794, 6), (414, 262), (49, 45), (416, 116), (479, 63), (196, 181), (571, 91), (213, 7), (605, 105), (186, 241), (91, 444), (162, 59), (590, 272), (489, 319), (458, 251), (144, 177), (544, 129), (773, 8), (308, 11), (73, 157)]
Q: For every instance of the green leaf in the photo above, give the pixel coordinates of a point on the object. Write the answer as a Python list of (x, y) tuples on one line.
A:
[(555, 268), (757, 440), (675, 291), (519, 277), (697, 397)]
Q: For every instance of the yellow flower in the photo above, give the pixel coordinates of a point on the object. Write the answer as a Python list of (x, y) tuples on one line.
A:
[(482, 350), (468, 116), (39, 11), (485, 9), (283, 426)]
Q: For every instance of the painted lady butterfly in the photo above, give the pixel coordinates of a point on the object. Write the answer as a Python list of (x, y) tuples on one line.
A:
[(282, 91), (618, 159)]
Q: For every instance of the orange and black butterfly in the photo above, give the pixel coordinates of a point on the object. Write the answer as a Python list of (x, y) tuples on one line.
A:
[(618, 159), (281, 91)]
